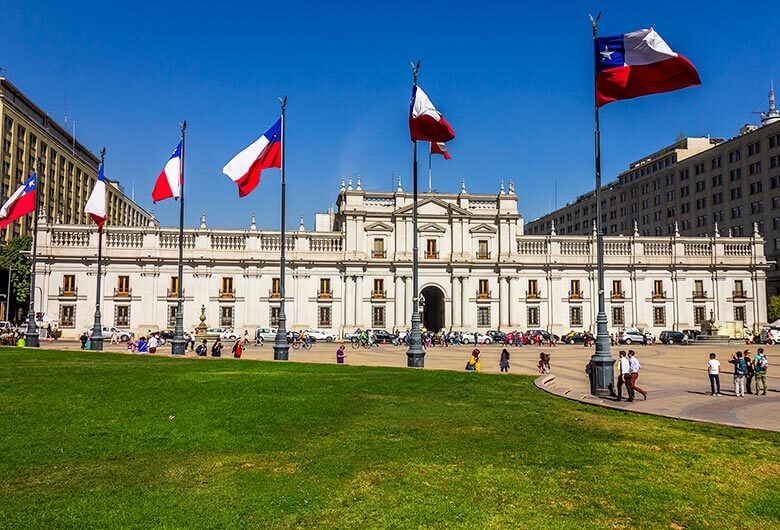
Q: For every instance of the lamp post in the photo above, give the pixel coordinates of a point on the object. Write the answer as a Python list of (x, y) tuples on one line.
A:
[(281, 346), (178, 344), (96, 339), (32, 337)]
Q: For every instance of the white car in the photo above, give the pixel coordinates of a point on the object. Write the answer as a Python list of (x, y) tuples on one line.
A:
[(320, 334), (123, 334), (266, 334), (476, 338), (770, 336), (222, 333), (631, 337)]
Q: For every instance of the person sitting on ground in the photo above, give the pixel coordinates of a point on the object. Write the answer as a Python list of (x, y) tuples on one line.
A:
[(202, 349), (142, 345), (216, 349), (131, 346), (474, 363)]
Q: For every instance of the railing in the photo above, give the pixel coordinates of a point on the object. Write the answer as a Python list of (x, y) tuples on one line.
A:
[(70, 292), (699, 294), (575, 295), (739, 294), (63, 238), (533, 295), (228, 242), (697, 249), (617, 295), (575, 248), (324, 244), (379, 254), (378, 295), (657, 249), (120, 292), (737, 249), (170, 240), (659, 295), (533, 248), (483, 255), (483, 295), (227, 293), (173, 293), (125, 239), (432, 255), (325, 294), (273, 242), (272, 293), (617, 248)]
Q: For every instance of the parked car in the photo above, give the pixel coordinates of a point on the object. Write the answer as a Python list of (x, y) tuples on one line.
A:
[(166, 334), (691, 333), (497, 336), (123, 334), (770, 336), (544, 333), (573, 337), (385, 337), (475, 337), (631, 336), (319, 334), (673, 337), (266, 334), (222, 333)]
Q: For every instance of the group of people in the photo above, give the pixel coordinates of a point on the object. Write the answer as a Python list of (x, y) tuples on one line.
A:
[(749, 371), (474, 363), (629, 373), (527, 338)]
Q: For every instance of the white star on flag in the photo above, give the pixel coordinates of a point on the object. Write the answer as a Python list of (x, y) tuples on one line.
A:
[(607, 54)]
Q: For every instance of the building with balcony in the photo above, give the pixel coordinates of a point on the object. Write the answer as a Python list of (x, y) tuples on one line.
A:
[(478, 271)]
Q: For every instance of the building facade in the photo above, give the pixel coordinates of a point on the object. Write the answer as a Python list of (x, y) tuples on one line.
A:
[(478, 271), (68, 169), (697, 186)]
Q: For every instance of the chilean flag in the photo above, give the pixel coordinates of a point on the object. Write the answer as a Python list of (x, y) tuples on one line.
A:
[(440, 148), (638, 64), (20, 203), (265, 152), (96, 205), (169, 181), (425, 122)]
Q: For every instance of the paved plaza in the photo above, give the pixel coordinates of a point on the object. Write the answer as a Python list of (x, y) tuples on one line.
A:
[(675, 377)]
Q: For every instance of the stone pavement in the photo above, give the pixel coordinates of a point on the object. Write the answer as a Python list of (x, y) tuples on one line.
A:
[(675, 377)]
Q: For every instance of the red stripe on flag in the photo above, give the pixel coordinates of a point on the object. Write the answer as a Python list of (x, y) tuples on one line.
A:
[(629, 82), (271, 157), (24, 205)]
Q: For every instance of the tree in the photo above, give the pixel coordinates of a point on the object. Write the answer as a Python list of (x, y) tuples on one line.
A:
[(12, 258), (773, 308)]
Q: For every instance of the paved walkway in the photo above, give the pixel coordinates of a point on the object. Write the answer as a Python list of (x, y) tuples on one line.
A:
[(675, 377)]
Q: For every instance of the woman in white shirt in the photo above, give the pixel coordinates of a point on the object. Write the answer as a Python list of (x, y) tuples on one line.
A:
[(713, 369)]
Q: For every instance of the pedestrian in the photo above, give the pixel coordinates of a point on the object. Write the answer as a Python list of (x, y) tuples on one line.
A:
[(238, 347), (634, 366), (114, 337), (153, 344), (713, 371), (258, 337), (624, 378), (143, 346), (503, 363), (202, 349), (750, 371), (246, 338), (474, 363), (83, 339), (340, 354), (761, 365), (216, 349), (740, 371)]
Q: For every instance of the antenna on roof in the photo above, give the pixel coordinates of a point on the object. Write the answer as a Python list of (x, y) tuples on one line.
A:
[(66, 108)]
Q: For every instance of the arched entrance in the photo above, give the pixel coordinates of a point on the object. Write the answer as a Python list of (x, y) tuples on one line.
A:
[(433, 311)]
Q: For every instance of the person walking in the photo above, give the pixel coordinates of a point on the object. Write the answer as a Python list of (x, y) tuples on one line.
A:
[(740, 371), (751, 371), (624, 378), (761, 365), (634, 366), (153, 344), (474, 363), (340, 354), (713, 371), (114, 338), (503, 363), (83, 339)]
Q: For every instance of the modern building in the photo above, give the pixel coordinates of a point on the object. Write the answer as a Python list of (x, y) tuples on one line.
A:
[(478, 271), (69, 169), (697, 186)]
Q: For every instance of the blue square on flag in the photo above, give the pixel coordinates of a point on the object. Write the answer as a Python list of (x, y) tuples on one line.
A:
[(610, 52)]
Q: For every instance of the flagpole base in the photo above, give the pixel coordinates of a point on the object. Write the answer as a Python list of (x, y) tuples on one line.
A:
[(415, 356)]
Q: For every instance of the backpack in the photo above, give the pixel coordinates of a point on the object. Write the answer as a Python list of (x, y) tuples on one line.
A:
[(741, 367)]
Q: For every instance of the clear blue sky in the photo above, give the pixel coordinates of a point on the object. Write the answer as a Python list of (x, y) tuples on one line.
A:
[(514, 81)]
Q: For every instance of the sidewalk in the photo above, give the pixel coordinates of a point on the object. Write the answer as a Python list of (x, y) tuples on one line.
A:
[(675, 377)]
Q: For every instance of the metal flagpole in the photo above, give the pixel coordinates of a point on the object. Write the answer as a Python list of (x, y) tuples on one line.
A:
[(602, 374), (32, 337), (281, 346), (415, 355), (96, 339), (178, 344), (430, 179)]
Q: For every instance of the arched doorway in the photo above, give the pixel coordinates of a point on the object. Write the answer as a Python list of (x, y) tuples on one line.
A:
[(433, 311)]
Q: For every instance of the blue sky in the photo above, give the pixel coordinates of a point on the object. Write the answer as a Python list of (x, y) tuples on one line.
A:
[(514, 81)]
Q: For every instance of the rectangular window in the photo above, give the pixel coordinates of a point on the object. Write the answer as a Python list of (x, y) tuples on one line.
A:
[(274, 317), (739, 289), (717, 180), (618, 316), (484, 289), (774, 161), (774, 141), (533, 289), (430, 249), (122, 316), (698, 289), (533, 316), (698, 314), (574, 291), (69, 285), (575, 316), (715, 164), (736, 193), (483, 252), (227, 287), (684, 174), (123, 286), (756, 187), (736, 213), (734, 156), (659, 316), (735, 174), (739, 313), (323, 317), (173, 290), (67, 316), (483, 317), (172, 312), (379, 288), (325, 291), (276, 288), (226, 316), (378, 316), (754, 148), (658, 289), (699, 168), (617, 289), (379, 248), (701, 186), (756, 207)]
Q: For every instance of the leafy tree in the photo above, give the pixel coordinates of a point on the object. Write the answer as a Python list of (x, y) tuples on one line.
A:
[(773, 309), (12, 257)]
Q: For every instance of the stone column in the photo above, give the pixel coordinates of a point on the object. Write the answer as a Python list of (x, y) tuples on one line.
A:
[(349, 301), (503, 302), (359, 301), (464, 308), (513, 303), (456, 301), (399, 303)]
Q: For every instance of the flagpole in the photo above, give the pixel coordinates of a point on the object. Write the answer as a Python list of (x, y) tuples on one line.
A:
[(178, 345), (602, 375), (281, 346), (415, 355), (96, 339), (430, 179), (32, 337)]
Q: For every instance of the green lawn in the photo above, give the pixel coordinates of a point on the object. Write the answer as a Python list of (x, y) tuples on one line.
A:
[(107, 440)]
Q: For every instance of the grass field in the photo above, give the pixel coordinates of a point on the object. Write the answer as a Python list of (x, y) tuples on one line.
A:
[(109, 440)]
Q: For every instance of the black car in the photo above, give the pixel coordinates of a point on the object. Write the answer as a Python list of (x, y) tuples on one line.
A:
[(497, 336), (385, 337), (574, 338), (672, 337)]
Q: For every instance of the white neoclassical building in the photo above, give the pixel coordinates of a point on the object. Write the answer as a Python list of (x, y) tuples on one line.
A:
[(478, 271)]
